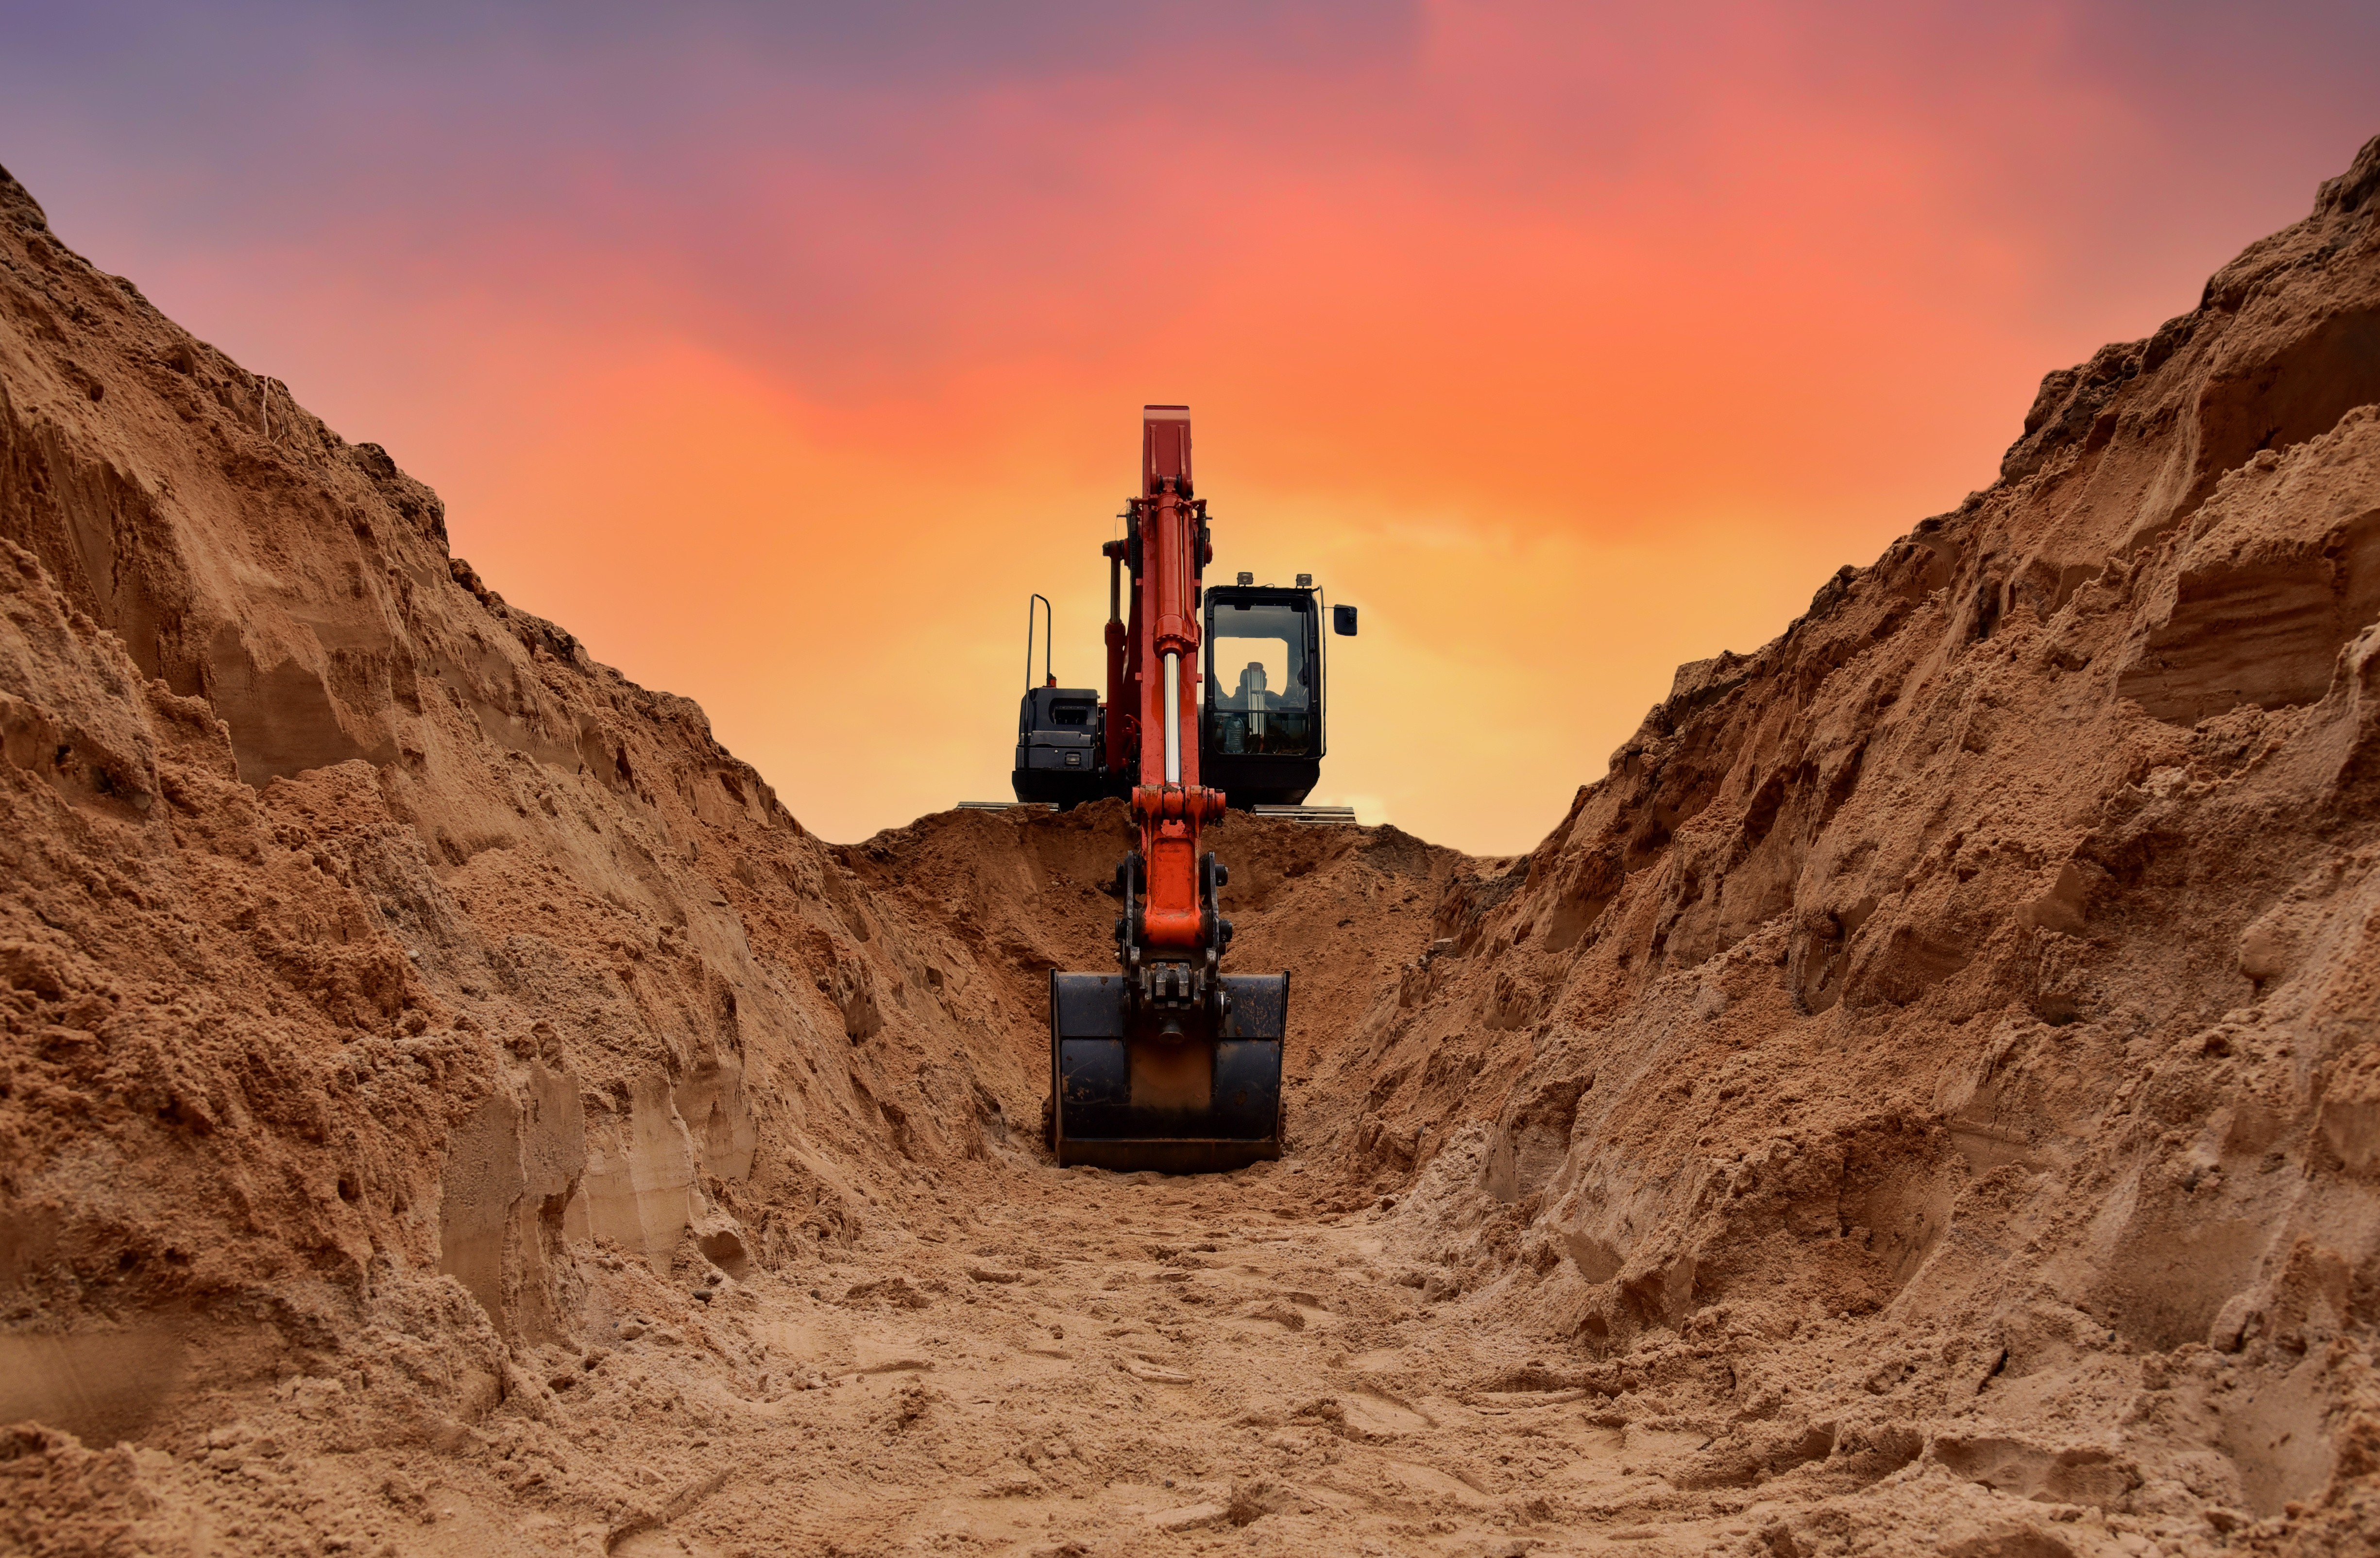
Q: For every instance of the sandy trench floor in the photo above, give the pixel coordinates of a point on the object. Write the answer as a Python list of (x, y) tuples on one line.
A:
[(1074, 1362)]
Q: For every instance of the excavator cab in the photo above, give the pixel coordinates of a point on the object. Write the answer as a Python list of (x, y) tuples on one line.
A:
[(1261, 741)]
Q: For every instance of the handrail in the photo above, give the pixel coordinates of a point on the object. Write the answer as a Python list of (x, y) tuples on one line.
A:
[(1050, 618)]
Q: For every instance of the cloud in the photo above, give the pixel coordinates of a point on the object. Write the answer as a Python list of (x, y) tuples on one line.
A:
[(780, 350)]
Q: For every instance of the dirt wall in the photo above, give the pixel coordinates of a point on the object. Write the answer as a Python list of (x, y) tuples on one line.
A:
[(1992, 961), (1937, 1068), (358, 928)]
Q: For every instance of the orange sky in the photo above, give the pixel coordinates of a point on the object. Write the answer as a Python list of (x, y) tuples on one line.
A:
[(1568, 344)]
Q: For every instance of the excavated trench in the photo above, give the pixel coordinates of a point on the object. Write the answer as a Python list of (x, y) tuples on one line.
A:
[(1925, 1097)]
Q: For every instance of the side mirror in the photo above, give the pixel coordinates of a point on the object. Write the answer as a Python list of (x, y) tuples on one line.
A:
[(1342, 621)]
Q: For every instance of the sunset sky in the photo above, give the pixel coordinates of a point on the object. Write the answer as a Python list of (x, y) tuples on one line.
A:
[(779, 351)]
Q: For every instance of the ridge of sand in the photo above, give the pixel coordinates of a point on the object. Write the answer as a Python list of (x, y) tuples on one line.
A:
[(1926, 1098)]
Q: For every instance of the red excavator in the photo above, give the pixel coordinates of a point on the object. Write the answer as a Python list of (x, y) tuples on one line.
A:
[(1169, 1062)]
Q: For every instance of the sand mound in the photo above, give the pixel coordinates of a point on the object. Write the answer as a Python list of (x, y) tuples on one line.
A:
[(1927, 1096)]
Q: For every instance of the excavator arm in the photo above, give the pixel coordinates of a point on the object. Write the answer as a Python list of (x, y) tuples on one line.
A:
[(1168, 1063), (1176, 940)]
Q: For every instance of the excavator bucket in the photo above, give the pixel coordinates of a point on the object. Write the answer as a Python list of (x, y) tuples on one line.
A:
[(1149, 1090)]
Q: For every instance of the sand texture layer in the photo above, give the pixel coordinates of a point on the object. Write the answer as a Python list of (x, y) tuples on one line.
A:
[(1926, 1098)]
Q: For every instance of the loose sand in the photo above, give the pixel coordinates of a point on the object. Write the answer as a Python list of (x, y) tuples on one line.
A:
[(1926, 1098)]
